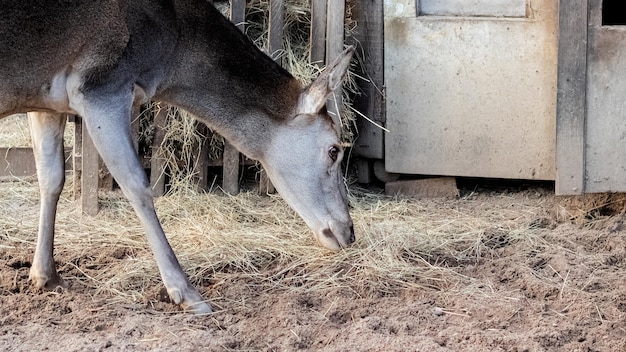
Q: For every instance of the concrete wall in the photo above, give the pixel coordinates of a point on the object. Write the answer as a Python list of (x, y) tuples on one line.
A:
[(471, 95)]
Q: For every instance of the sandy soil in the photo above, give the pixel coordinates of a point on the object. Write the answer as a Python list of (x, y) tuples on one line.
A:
[(561, 289)]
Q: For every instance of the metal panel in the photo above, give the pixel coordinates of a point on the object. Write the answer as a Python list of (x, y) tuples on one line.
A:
[(494, 8), (472, 96), (606, 106)]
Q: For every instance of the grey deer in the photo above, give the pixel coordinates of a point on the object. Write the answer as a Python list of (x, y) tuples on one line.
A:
[(94, 58)]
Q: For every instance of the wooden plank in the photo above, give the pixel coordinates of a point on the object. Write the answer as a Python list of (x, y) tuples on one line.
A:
[(157, 163), (275, 35), (318, 32), (19, 163), (134, 125), (201, 160), (265, 184), (334, 47), (335, 30), (571, 97), (364, 171), (230, 182), (371, 103), (77, 154), (89, 175), (439, 187), (238, 13)]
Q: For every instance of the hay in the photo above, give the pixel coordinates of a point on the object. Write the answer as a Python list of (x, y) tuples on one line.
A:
[(14, 132), (590, 208), (258, 240)]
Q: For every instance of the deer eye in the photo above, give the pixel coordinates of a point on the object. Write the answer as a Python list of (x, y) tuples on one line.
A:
[(333, 152)]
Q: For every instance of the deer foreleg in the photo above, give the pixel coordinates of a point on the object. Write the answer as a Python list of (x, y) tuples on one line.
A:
[(109, 127), (47, 138)]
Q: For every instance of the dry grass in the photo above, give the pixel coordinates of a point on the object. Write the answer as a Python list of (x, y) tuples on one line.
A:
[(14, 132), (258, 240), (590, 208)]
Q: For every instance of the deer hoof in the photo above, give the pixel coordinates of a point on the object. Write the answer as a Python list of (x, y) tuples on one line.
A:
[(46, 281), (190, 301), (198, 308)]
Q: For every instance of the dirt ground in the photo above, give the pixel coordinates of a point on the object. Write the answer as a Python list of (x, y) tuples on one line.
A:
[(546, 284)]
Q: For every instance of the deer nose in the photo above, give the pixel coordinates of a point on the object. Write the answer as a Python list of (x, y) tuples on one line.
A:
[(332, 241)]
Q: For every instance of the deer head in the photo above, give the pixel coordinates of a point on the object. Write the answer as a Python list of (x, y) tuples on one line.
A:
[(304, 160)]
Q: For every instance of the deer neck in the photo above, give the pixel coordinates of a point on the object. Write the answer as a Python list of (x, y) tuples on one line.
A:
[(219, 76)]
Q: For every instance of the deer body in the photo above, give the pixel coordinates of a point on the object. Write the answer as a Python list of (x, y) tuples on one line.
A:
[(94, 58)]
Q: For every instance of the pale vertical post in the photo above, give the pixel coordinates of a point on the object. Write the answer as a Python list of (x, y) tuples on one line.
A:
[(238, 13), (318, 32), (334, 46), (275, 35), (89, 175), (369, 16), (157, 164), (77, 154), (201, 160), (571, 98), (135, 125)]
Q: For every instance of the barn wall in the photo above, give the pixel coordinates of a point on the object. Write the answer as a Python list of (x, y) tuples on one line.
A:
[(471, 95)]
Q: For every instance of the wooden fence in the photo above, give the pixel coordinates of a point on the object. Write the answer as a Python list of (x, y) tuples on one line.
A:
[(327, 39)]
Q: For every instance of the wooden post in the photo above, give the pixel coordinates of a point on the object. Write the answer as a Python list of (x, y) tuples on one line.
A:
[(201, 160), (230, 182), (157, 164), (238, 13), (89, 174), (275, 35), (334, 46), (371, 103), (571, 98), (134, 125), (318, 32), (77, 153)]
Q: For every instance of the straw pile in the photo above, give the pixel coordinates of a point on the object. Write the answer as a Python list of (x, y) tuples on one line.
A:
[(14, 132), (591, 208), (258, 240)]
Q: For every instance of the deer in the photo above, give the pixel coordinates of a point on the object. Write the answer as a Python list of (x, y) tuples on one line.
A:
[(95, 58)]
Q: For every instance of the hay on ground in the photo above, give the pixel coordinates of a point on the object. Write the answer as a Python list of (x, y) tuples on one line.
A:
[(255, 239)]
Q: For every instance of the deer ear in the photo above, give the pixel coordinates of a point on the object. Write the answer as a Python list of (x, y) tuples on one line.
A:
[(314, 97)]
